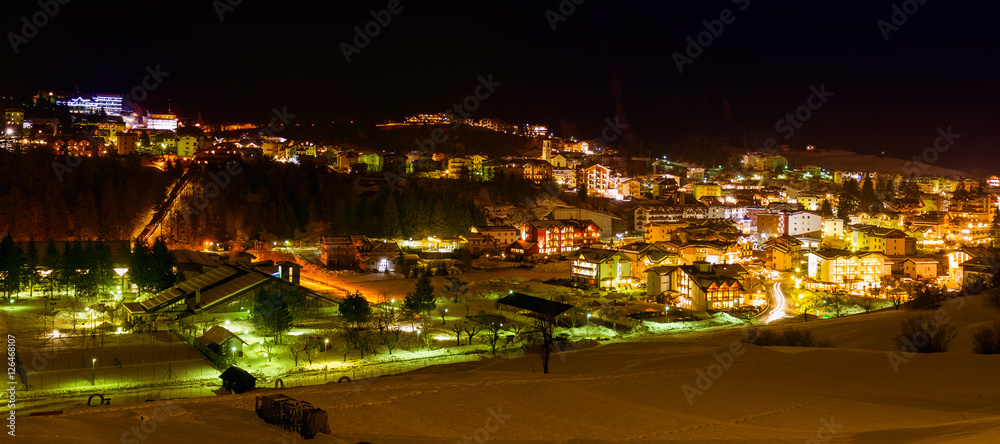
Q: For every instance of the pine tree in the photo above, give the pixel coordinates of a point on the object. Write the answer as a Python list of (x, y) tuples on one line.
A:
[(162, 265), (340, 217), (271, 314), (826, 209), (110, 212), (849, 196), (439, 219), (51, 263), (421, 300), (355, 309), (31, 266), (390, 218), (960, 193), (868, 199)]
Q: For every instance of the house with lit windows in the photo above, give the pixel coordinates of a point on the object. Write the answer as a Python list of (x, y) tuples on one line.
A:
[(543, 238), (645, 255), (701, 286), (603, 268), (891, 241), (857, 271)]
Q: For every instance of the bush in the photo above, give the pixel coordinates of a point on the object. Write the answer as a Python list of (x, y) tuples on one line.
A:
[(784, 338), (925, 299), (993, 299), (923, 334), (986, 340)]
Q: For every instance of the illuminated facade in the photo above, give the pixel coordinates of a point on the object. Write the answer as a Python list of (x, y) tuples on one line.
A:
[(855, 270), (560, 236), (163, 122), (604, 268), (701, 190), (110, 104), (701, 286)]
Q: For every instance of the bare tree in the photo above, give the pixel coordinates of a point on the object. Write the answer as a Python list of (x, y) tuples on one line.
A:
[(387, 324), (346, 343), (295, 348), (544, 327), (391, 337), (457, 329), (492, 330), (311, 350), (268, 347), (426, 337), (516, 327), (471, 330), (441, 312), (609, 312), (384, 296), (867, 303), (364, 342)]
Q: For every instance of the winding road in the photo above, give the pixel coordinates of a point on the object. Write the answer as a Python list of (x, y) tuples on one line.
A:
[(778, 307)]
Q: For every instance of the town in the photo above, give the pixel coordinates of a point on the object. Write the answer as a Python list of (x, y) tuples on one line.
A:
[(555, 222), (617, 242)]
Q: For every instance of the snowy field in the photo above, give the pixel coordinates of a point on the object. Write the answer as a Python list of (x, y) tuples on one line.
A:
[(664, 389)]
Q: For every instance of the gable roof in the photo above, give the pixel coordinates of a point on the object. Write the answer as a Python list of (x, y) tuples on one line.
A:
[(535, 304), (599, 255), (218, 335)]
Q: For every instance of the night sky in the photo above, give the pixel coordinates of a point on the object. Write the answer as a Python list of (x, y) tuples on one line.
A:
[(607, 58)]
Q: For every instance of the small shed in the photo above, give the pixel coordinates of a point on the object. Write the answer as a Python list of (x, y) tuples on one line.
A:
[(222, 341), (238, 380)]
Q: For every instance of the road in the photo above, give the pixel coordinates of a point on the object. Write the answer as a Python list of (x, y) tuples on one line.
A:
[(166, 206), (778, 304)]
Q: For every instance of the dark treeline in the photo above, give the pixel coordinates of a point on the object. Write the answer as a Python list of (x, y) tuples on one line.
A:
[(84, 268), (78, 198), (269, 200)]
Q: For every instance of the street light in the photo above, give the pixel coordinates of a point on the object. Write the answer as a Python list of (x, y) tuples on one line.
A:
[(121, 273), (588, 325), (93, 371)]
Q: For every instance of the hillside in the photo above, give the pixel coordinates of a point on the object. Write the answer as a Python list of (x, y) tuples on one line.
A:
[(628, 392), (840, 160)]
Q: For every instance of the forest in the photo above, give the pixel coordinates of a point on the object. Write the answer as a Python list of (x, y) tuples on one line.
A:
[(44, 196), (270, 201)]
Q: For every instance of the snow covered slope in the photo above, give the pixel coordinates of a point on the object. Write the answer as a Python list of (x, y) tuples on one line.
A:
[(623, 392)]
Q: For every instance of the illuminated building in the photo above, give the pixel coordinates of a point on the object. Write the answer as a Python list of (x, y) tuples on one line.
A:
[(13, 120), (126, 142), (604, 268), (110, 104), (856, 271), (536, 130), (556, 237), (500, 236), (161, 121), (700, 286), (701, 190), (920, 268)]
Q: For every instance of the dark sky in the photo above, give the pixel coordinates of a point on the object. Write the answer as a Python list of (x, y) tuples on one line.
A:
[(938, 69)]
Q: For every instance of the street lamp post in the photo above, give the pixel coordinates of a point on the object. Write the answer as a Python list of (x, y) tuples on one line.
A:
[(121, 273), (588, 325), (93, 371)]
